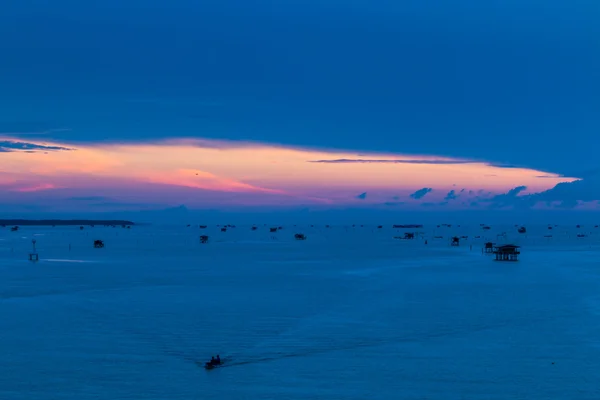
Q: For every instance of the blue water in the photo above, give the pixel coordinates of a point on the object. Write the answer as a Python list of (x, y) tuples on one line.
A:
[(342, 315)]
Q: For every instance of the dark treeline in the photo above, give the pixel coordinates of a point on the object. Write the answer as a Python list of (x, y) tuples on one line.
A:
[(63, 222)]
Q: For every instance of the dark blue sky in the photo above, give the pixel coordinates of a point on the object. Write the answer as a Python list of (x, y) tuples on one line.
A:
[(514, 81)]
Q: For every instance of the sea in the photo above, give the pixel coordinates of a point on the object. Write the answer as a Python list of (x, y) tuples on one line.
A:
[(352, 312)]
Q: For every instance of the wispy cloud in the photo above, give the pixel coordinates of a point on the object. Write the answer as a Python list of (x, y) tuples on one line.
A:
[(502, 165), (7, 146), (419, 194), (206, 180), (384, 161)]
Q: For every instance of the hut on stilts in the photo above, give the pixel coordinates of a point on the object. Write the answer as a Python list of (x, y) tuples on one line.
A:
[(489, 248), (507, 252)]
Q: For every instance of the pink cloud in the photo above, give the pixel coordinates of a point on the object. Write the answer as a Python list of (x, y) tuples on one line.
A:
[(36, 188), (221, 172)]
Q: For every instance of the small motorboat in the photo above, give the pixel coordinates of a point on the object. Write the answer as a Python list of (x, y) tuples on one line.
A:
[(212, 366)]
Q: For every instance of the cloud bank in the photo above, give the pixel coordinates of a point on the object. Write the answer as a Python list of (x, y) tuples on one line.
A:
[(217, 173)]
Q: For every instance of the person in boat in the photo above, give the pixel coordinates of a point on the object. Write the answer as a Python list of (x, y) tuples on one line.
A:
[(213, 361)]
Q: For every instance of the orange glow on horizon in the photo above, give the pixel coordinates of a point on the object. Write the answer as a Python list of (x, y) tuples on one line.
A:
[(259, 168)]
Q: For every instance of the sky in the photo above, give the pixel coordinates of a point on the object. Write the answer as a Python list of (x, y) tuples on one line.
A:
[(376, 104)]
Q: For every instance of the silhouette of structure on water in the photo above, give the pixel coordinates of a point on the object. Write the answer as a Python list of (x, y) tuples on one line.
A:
[(407, 236), (98, 244), (455, 241), (522, 230), (300, 236), (489, 248), (507, 252), (203, 239), (34, 256)]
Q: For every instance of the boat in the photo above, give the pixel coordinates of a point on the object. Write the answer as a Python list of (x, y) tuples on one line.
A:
[(208, 365), (214, 363)]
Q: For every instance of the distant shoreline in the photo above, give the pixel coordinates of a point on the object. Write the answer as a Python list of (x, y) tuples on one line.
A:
[(62, 222)]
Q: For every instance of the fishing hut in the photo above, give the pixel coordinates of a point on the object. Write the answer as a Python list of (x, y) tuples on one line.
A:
[(507, 252), (488, 248), (98, 244), (300, 236), (203, 239), (455, 242), (34, 256)]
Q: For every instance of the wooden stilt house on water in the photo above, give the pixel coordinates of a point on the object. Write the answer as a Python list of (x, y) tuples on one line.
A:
[(507, 252), (489, 247)]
